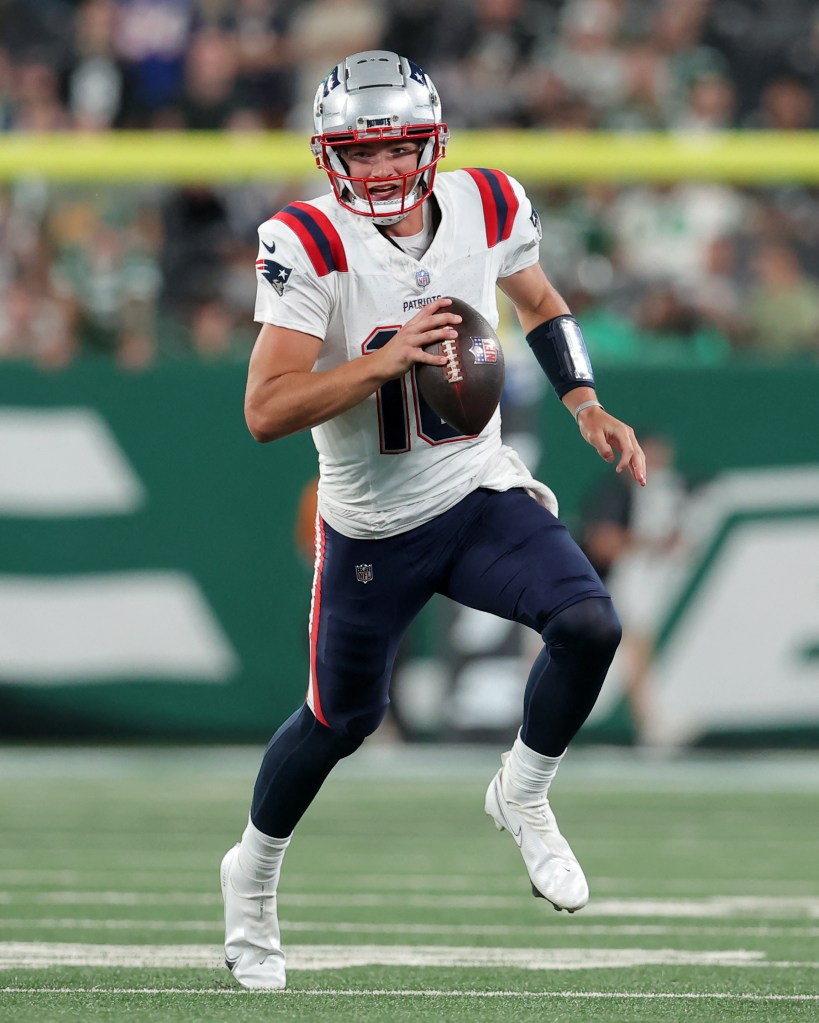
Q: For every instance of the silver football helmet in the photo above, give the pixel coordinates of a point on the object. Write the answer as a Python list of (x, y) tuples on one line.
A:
[(377, 96)]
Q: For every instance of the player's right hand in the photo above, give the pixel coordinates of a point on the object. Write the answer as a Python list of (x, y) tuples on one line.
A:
[(430, 324)]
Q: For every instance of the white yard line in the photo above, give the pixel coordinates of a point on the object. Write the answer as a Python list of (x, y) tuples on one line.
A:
[(419, 993), (402, 927), (418, 882), (771, 907), (41, 955)]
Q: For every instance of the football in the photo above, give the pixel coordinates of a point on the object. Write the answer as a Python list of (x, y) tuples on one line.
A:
[(466, 390)]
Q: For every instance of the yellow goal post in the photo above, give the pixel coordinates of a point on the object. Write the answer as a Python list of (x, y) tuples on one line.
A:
[(538, 157)]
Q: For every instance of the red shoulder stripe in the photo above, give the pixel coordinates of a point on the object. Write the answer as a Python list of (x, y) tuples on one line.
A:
[(500, 204), (321, 241)]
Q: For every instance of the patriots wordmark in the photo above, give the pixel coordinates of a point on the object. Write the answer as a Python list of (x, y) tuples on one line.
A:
[(274, 273)]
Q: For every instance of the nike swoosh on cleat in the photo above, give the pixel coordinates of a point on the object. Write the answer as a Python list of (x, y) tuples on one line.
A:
[(515, 834)]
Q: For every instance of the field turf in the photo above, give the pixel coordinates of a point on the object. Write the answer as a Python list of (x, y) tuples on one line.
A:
[(400, 901)]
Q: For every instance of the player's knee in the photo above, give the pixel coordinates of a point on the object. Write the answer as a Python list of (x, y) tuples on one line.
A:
[(590, 627), (359, 726), (345, 733)]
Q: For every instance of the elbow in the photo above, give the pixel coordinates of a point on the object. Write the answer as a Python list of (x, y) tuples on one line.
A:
[(261, 429)]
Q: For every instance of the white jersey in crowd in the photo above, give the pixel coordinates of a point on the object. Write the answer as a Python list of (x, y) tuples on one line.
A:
[(389, 464)]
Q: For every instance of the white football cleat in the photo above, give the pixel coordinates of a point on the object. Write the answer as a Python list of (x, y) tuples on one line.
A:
[(552, 867), (253, 951)]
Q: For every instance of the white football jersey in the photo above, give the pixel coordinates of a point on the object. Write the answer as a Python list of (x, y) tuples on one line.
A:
[(389, 463)]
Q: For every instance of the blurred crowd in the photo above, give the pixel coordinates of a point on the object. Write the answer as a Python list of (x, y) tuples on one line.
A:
[(702, 272)]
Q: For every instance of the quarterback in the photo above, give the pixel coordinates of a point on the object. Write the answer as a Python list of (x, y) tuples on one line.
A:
[(350, 294)]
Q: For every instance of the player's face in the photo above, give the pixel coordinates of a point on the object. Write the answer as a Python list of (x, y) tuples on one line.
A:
[(378, 161)]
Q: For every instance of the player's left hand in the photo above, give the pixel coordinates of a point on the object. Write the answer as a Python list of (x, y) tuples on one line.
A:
[(608, 435)]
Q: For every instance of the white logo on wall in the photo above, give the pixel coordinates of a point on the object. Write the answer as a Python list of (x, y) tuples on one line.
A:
[(103, 626), (744, 651)]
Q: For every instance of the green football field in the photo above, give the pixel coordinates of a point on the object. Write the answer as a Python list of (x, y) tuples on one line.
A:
[(400, 901)]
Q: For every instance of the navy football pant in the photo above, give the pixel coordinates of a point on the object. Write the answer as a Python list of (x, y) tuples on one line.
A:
[(497, 552)]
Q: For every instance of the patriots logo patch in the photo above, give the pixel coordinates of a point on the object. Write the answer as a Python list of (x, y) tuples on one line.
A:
[(416, 74), (274, 273), (484, 349)]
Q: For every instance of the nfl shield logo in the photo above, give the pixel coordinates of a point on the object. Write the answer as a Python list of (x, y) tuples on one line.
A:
[(483, 349), (364, 573), (422, 278)]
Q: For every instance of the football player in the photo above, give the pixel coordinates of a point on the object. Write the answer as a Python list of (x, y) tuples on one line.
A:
[(350, 294)]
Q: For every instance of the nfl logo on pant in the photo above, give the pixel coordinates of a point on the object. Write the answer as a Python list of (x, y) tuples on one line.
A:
[(364, 573)]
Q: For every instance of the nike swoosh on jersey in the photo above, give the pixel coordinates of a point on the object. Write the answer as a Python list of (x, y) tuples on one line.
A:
[(270, 248)]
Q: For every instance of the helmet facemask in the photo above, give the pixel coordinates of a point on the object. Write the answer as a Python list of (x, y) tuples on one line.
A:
[(378, 96)]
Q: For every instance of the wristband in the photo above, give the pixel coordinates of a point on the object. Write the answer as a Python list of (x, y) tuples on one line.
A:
[(559, 347), (592, 403)]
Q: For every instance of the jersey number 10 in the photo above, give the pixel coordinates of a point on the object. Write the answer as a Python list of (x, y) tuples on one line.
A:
[(393, 407)]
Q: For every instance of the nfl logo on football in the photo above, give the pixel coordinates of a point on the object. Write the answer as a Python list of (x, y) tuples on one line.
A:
[(364, 573), (484, 349), (422, 278)]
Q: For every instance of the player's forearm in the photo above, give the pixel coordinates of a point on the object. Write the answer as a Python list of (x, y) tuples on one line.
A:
[(296, 401)]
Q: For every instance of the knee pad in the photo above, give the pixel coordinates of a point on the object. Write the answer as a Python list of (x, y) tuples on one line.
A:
[(590, 625)]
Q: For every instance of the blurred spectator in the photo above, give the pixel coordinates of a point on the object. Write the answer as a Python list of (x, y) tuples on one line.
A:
[(96, 81), (211, 94), (634, 538), (151, 39), (710, 105), (488, 83), (663, 231), (584, 63), (786, 105), (208, 275), (38, 28), (760, 41), (266, 73), (107, 279), (783, 304), (38, 106), (646, 100), (676, 31), (322, 33), (33, 327), (436, 34), (717, 299)]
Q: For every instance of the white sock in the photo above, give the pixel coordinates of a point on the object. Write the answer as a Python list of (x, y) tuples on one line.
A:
[(260, 856), (527, 775)]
